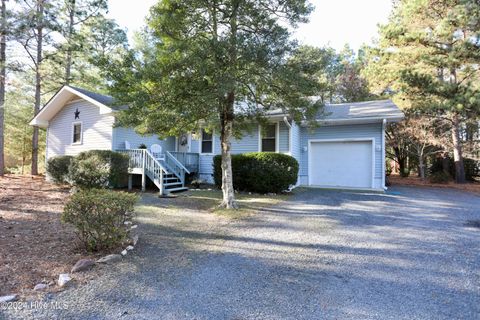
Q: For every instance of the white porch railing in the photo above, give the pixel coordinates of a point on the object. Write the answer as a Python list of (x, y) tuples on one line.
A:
[(166, 173), (189, 160)]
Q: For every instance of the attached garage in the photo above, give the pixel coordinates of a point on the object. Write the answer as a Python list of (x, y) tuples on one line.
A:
[(342, 163)]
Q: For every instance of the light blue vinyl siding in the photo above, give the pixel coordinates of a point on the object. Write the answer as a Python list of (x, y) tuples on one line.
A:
[(283, 137), (96, 130), (296, 152), (373, 130), (121, 134), (194, 144), (248, 143), (206, 160), (296, 149)]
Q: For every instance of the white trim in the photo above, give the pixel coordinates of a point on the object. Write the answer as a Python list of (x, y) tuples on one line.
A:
[(364, 120), (37, 121), (384, 123), (81, 133), (310, 141), (46, 147), (200, 144), (289, 126), (277, 137)]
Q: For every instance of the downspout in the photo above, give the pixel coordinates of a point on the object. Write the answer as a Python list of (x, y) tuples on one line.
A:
[(384, 124), (46, 151), (285, 119)]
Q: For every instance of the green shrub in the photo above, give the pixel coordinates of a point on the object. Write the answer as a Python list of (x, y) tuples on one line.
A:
[(99, 216), (439, 177), (57, 168), (260, 172), (405, 173), (471, 166), (99, 169)]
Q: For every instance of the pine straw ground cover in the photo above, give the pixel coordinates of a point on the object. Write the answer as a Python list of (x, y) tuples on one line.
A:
[(35, 246), (396, 180)]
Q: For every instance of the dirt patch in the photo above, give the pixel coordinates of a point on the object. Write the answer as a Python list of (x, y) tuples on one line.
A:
[(35, 246), (396, 180)]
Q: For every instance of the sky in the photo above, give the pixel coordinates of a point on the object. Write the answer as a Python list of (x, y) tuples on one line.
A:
[(334, 22)]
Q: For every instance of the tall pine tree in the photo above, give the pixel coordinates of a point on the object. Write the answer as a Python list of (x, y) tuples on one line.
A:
[(219, 62), (429, 55)]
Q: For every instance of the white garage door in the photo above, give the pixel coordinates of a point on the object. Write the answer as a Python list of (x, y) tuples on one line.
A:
[(341, 164)]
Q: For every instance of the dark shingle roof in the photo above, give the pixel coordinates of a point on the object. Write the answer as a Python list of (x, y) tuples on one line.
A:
[(360, 110), (377, 109), (101, 98)]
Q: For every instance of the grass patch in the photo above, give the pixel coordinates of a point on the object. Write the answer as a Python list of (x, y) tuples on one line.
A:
[(210, 200)]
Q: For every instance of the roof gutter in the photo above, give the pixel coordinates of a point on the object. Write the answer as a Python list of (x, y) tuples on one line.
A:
[(384, 125), (285, 119), (356, 120)]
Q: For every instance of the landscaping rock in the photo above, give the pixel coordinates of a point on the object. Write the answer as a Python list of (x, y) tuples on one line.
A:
[(9, 298), (63, 279), (135, 240), (110, 258), (129, 248), (40, 287), (124, 252), (82, 265)]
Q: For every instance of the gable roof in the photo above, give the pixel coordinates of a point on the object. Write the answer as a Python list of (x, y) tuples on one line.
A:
[(357, 112), (379, 109), (101, 98), (67, 94)]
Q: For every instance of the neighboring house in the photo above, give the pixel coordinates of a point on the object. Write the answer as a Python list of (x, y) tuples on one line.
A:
[(347, 150)]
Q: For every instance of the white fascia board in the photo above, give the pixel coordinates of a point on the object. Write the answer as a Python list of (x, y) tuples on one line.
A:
[(46, 113), (39, 123), (334, 122), (103, 108)]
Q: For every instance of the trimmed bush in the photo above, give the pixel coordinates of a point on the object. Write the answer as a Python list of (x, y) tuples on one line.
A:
[(260, 172), (99, 217), (57, 168), (99, 169)]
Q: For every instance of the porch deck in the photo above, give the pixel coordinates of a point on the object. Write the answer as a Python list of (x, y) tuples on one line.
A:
[(167, 173)]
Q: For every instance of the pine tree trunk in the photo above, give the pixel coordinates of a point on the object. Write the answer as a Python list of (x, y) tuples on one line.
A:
[(400, 160), (3, 46), (457, 150), (227, 175), (421, 166), (68, 58), (38, 83)]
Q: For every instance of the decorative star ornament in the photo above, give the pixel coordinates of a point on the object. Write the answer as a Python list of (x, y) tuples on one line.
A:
[(77, 114)]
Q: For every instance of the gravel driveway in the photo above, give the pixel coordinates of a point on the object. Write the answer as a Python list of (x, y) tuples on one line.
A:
[(406, 254)]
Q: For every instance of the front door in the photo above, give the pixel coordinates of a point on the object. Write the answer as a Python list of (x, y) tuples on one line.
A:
[(183, 143)]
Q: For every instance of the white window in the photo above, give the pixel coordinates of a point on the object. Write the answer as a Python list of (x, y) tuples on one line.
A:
[(206, 145), (268, 141), (77, 133)]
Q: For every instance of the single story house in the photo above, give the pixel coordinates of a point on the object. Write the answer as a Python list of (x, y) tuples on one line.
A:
[(346, 150)]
